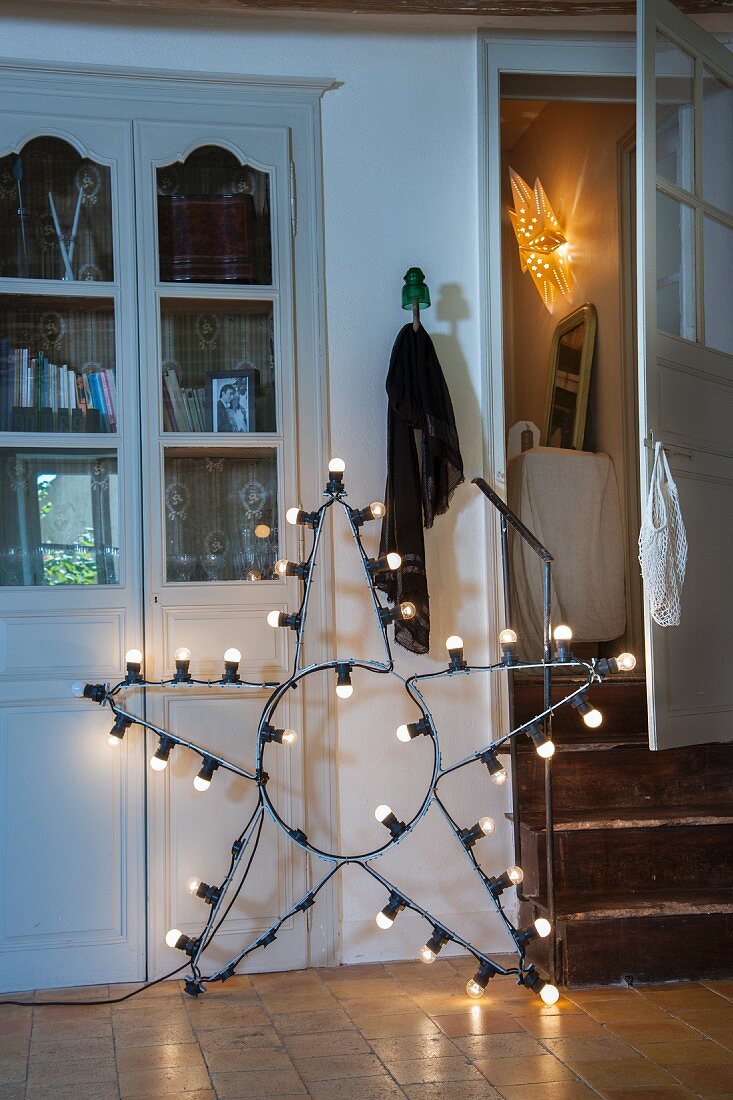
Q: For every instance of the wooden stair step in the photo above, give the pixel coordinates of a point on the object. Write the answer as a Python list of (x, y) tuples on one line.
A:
[(639, 818), (604, 903), (622, 703)]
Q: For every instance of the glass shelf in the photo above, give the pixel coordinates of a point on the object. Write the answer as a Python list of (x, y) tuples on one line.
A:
[(221, 514), (57, 364), (60, 517), (49, 177), (218, 369), (214, 220)]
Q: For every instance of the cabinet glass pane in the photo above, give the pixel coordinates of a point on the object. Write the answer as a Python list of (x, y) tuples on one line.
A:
[(60, 520), (717, 142), (718, 279), (675, 268), (214, 220), (55, 214), (218, 368), (57, 364), (675, 114), (221, 514)]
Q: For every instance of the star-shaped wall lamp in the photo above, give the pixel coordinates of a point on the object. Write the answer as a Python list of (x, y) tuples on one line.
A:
[(542, 245)]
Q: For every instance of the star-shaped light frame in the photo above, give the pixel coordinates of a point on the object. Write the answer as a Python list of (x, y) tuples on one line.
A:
[(269, 736), (542, 245)]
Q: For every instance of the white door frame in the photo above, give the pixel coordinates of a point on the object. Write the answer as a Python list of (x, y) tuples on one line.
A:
[(552, 53)]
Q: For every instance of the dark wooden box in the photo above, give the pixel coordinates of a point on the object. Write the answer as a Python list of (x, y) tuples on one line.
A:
[(206, 239)]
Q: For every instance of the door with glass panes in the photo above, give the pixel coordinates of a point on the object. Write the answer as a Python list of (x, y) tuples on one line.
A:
[(72, 892), (219, 425)]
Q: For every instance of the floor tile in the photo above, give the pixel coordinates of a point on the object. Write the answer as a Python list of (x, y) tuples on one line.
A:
[(161, 1056), (668, 1031), (255, 1086), (647, 1092), (356, 1088), (69, 1049), (499, 1046), (399, 1048), (632, 1071), (564, 1027), (706, 1081), (79, 1071), (587, 1050), (700, 1052), (170, 1081), (426, 1070), (324, 1043), (303, 1023), (161, 1034), (97, 1091), (229, 1061), (412, 1023), (563, 1090), (456, 1090), (477, 1023), (333, 1067), (524, 1071)]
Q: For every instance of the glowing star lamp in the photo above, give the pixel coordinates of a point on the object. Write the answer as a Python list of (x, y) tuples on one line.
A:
[(541, 242)]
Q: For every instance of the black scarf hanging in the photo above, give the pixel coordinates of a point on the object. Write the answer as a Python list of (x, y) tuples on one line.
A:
[(418, 399)]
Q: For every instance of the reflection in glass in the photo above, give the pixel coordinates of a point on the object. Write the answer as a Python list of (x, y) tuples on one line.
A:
[(59, 514), (675, 268), (57, 364), (55, 214), (565, 393), (214, 220), (675, 114), (717, 281), (717, 142), (221, 515), (218, 366)]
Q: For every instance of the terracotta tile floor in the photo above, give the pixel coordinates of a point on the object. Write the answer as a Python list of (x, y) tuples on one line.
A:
[(372, 1032)]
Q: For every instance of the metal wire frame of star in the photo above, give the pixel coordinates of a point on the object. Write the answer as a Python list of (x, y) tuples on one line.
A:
[(244, 846)]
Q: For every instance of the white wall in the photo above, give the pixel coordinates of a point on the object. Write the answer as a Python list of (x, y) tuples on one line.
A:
[(400, 172)]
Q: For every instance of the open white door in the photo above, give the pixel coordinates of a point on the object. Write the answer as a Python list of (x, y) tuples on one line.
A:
[(685, 310)]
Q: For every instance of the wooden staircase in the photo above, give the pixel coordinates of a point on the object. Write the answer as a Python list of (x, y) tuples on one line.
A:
[(643, 845)]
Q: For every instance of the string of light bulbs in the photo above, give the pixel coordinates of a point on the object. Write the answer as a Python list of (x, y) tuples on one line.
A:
[(270, 737)]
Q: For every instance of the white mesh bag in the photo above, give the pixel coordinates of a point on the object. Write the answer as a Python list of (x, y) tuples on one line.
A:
[(663, 544)]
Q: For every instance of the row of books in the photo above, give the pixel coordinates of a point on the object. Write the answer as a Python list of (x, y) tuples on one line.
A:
[(184, 407), (37, 395)]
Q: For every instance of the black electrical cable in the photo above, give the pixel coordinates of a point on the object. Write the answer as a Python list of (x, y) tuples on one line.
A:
[(108, 1001)]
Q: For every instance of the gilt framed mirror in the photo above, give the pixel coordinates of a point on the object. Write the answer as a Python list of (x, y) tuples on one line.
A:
[(568, 382)]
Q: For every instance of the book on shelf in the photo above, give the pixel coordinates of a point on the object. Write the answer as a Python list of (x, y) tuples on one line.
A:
[(38, 395), (183, 406)]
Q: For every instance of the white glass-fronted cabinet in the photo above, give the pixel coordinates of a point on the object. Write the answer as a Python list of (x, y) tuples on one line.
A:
[(70, 862), (151, 442)]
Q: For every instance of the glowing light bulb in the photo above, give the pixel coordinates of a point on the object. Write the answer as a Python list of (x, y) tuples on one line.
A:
[(454, 642), (112, 740), (593, 718), (77, 689), (377, 509), (344, 687), (172, 936), (193, 884), (289, 737), (562, 633), (233, 656), (336, 466), (292, 515), (427, 954), (382, 812), (542, 927), (626, 662), (281, 567), (157, 764), (200, 783), (508, 637), (273, 618), (133, 657), (394, 561), (345, 691), (487, 825), (546, 749), (499, 777), (403, 734), (182, 654), (408, 610), (550, 994), (515, 874), (383, 920), (474, 989)]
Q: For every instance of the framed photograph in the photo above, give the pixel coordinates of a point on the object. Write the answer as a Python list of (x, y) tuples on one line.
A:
[(230, 397)]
